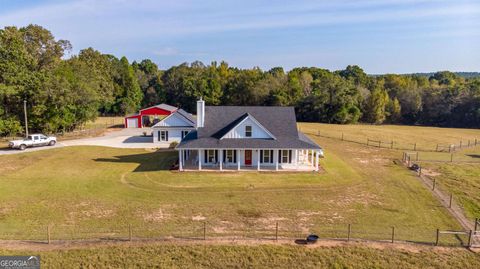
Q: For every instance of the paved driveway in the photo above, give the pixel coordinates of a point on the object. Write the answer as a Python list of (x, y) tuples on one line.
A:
[(125, 138)]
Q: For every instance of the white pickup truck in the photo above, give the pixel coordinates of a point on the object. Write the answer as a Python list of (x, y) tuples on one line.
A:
[(34, 140)]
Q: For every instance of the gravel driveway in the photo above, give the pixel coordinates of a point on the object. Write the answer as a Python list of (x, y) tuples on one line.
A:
[(125, 138)]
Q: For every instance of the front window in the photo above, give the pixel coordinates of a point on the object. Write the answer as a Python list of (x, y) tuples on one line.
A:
[(285, 156), (248, 131), (266, 156), (163, 136), (229, 156), (184, 133), (211, 156)]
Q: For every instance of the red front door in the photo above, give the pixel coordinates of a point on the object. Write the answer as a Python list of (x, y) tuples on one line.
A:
[(248, 157)]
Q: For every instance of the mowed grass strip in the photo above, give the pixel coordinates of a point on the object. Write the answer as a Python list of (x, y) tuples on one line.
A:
[(96, 192), (260, 256)]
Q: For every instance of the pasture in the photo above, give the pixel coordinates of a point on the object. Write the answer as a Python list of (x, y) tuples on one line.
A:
[(87, 192)]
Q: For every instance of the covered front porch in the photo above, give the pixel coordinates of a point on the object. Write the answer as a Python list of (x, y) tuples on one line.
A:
[(249, 159)]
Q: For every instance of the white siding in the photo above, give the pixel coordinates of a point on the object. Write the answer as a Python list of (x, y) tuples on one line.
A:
[(174, 120), (173, 135), (239, 131)]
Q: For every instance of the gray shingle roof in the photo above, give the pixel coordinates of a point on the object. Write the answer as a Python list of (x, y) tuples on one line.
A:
[(164, 107), (280, 121)]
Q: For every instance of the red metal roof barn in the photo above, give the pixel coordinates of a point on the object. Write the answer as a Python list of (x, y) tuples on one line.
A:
[(149, 116)]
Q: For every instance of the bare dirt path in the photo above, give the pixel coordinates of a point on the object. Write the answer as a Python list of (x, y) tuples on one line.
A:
[(84, 244)]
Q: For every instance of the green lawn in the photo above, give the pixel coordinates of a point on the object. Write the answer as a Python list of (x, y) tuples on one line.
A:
[(94, 191), (260, 256)]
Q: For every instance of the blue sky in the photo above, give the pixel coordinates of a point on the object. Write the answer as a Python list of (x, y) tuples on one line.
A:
[(396, 36)]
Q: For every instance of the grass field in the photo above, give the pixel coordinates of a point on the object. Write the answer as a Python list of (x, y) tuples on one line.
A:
[(425, 138), (462, 180), (261, 256), (94, 191)]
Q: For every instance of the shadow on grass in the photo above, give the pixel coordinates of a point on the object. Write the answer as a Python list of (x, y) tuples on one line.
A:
[(473, 155), (147, 162)]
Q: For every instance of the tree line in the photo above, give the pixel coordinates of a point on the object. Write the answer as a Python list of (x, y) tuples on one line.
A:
[(65, 92)]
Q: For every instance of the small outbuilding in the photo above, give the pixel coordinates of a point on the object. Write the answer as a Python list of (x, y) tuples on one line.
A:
[(149, 116)]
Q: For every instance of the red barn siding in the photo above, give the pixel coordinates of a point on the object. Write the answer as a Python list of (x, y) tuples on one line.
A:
[(138, 117)]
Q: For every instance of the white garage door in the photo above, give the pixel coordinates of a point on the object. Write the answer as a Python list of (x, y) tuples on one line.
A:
[(132, 123)]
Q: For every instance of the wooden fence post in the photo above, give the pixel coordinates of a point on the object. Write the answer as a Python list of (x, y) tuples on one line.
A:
[(391, 145), (276, 232), (475, 141), (469, 244), (204, 230), (349, 231), (342, 136), (393, 234), (438, 235), (436, 148), (450, 203), (468, 142), (129, 232), (434, 183), (417, 156), (451, 157), (460, 143), (415, 147), (48, 234)]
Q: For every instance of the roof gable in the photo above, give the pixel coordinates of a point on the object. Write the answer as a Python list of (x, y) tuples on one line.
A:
[(237, 129), (179, 118), (279, 121)]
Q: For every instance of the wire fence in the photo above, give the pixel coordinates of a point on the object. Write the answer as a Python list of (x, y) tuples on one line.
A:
[(441, 157), (204, 230), (399, 145)]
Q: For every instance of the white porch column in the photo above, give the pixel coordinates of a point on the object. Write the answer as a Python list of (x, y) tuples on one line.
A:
[(296, 158), (276, 159), (220, 154), (238, 159), (199, 159), (258, 159), (180, 160), (316, 160)]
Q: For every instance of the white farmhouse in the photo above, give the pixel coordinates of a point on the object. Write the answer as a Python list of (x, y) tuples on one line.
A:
[(246, 138)]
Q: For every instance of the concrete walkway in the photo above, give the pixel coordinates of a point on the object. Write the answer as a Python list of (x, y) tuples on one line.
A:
[(124, 138)]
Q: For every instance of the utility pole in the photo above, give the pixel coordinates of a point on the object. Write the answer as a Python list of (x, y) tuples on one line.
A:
[(26, 122)]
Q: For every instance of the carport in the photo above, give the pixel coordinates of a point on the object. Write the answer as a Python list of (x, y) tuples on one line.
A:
[(149, 116)]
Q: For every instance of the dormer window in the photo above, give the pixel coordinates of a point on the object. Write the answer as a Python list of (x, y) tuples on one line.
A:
[(248, 131)]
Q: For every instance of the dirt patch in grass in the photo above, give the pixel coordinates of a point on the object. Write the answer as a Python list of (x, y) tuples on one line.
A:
[(156, 216), (87, 210)]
